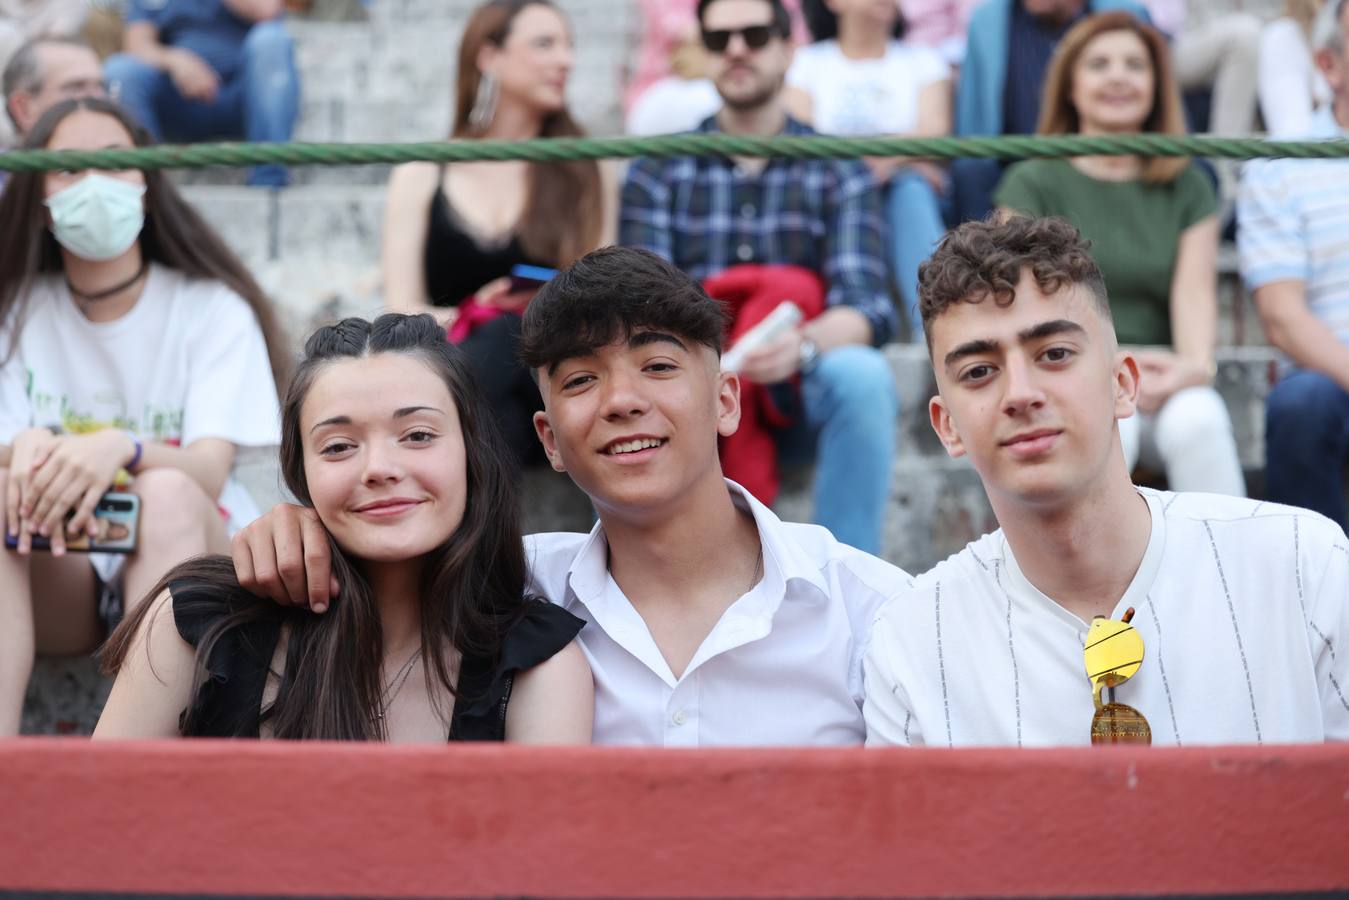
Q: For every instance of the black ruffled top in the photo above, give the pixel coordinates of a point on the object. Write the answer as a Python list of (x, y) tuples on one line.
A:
[(230, 701)]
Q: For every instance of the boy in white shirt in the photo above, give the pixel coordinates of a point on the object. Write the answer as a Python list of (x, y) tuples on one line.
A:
[(710, 621), (1239, 605)]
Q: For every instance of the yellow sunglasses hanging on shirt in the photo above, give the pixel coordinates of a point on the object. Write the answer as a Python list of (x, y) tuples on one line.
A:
[(1113, 653)]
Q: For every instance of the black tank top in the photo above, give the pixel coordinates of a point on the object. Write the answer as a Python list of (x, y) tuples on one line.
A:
[(229, 702), (456, 264)]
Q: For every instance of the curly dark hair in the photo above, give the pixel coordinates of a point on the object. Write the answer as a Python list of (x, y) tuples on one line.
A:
[(982, 259)]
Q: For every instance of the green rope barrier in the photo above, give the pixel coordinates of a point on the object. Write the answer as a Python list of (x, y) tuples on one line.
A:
[(196, 156)]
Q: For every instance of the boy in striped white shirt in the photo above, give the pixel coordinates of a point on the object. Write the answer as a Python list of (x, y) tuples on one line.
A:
[(1237, 611)]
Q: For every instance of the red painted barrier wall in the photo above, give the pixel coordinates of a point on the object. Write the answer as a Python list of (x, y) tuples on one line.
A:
[(324, 819)]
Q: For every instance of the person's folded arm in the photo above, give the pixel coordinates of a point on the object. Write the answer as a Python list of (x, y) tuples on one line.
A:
[(1292, 327), (141, 40), (1275, 250), (192, 76)]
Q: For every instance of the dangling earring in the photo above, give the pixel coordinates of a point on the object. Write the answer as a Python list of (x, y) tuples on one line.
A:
[(484, 103)]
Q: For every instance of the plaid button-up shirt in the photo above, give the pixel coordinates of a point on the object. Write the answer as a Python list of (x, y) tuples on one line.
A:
[(704, 215)]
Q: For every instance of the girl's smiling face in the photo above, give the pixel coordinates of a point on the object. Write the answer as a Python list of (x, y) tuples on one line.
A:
[(384, 456)]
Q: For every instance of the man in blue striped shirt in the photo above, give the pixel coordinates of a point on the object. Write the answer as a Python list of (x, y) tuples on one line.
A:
[(1294, 243), (707, 214)]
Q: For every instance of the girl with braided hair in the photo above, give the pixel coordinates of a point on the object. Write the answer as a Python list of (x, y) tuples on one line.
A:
[(433, 635)]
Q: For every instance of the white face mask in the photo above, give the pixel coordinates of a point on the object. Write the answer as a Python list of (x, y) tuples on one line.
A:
[(97, 218)]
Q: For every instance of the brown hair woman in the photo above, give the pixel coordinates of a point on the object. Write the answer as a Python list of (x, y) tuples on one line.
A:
[(453, 233), (1153, 228)]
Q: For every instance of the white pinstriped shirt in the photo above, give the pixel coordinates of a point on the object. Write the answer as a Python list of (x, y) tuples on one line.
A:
[(1243, 608)]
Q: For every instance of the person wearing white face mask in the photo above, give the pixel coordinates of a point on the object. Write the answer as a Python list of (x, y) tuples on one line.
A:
[(136, 353)]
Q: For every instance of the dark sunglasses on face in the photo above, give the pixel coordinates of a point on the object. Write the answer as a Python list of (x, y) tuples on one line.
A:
[(756, 37)]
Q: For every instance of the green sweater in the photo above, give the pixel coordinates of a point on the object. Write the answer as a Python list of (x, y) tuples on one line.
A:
[(1134, 228)]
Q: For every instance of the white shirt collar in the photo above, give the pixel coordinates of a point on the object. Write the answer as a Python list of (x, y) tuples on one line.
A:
[(785, 572), (590, 569), (1139, 585)]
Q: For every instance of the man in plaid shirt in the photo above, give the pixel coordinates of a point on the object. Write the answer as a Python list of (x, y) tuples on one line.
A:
[(709, 213)]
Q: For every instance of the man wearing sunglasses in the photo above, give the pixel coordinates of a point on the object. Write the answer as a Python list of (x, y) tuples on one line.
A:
[(1099, 611), (707, 214)]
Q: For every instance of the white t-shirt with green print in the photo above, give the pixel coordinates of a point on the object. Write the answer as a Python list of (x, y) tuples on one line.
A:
[(188, 361)]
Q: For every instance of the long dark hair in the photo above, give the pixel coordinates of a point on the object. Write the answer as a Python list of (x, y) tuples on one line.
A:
[(175, 235), (563, 216), (472, 587)]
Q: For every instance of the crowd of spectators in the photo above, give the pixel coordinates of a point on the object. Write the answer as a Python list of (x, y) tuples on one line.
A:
[(101, 272)]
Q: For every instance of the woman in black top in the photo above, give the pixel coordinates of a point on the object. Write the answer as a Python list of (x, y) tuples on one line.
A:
[(453, 233), (432, 636)]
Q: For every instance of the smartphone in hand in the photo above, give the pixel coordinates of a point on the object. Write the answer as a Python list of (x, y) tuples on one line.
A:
[(115, 518)]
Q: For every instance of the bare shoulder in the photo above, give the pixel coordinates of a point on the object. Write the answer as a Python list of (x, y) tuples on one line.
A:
[(414, 179), (157, 637), (554, 702), (154, 679)]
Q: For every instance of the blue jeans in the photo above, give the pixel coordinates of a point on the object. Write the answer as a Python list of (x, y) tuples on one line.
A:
[(915, 228), (260, 102), (850, 407), (1307, 443)]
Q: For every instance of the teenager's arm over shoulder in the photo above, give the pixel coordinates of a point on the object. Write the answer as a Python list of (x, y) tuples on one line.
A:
[(154, 684), (554, 702), (1328, 627), (887, 710)]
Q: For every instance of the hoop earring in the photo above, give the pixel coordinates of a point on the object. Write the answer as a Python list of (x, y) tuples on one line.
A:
[(484, 103)]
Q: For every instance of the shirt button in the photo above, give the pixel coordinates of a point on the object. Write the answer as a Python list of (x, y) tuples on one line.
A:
[(679, 718), (747, 210), (744, 253)]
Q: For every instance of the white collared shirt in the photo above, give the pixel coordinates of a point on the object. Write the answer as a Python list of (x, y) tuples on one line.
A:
[(783, 665)]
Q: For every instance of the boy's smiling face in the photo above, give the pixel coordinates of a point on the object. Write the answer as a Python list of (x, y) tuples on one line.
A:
[(636, 422), (1030, 391)]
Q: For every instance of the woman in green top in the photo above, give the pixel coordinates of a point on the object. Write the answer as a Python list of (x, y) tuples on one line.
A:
[(1154, 231)]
